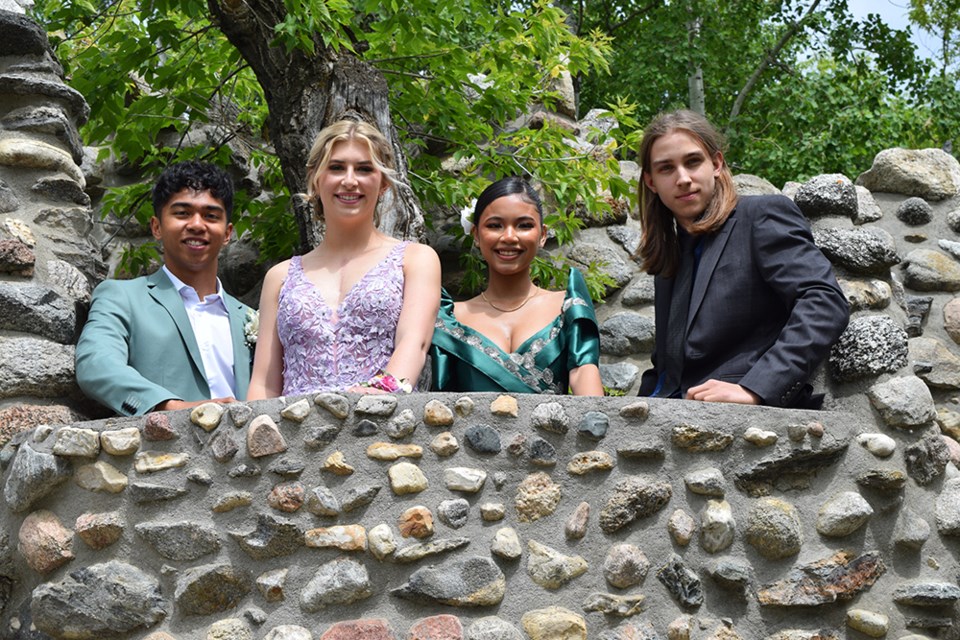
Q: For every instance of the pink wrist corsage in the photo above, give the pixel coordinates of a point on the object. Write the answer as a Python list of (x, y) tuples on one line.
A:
[(386, 382)]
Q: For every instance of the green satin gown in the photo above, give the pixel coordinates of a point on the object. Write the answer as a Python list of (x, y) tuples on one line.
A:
[(465, 360)]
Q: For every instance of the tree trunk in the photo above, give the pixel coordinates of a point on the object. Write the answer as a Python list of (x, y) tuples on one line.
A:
[(695, 79), (306, 92)]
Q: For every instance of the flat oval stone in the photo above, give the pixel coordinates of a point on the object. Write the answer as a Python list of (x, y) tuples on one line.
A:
[(376, 405), (927, 594), (381, 541), (444, 444), (121, 442), (296, 412), (336, 404), (625, 565), (705, 482), (391, 451), (594, 425), (207, 416), (406, 478), (437, 414), (759, 437), (871, 623), (470, 582), (774, 528), (553, 623), (466, 479), (879, 444), (83, 443), (349, 537), (232, 500), (492, 511), (843, 514), (453, 513), (589, 462), (151, 461), (576, 525), (681, 526), (483, 439)]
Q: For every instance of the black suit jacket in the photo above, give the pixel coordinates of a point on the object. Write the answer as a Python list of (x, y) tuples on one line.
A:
[(764, 309)]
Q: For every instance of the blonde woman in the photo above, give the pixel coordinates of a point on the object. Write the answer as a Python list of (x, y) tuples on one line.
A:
[(356, 313)]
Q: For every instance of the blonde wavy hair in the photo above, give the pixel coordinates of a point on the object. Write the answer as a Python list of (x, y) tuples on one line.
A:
[(381, 153)]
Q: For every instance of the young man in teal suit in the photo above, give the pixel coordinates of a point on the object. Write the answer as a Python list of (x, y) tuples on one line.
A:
[(173, 339)]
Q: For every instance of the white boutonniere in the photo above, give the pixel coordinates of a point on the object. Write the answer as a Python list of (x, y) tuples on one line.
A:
[(251, 327), (466, 217)]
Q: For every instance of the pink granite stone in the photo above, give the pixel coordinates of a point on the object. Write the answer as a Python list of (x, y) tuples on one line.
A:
[(99, 530), (287, 497), (44, 542), (367, 629), (442, 627), (157, 428)]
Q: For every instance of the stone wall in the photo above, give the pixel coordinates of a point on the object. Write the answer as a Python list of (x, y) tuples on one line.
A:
[(479, 516), (784, 524), (49, 259)]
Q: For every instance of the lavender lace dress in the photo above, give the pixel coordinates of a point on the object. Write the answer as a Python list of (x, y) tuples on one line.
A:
[(326, 349)]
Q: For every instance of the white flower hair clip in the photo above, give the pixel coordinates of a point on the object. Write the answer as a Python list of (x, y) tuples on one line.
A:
[(466, 217)]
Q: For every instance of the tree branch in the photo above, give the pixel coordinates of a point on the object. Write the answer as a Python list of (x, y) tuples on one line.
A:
[(769, 60)]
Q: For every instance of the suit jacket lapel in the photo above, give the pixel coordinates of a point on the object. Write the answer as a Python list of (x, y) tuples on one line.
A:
[(241, 354), (712, 250), (163, 291)]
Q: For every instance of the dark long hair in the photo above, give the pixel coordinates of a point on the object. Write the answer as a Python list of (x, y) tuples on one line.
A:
[(511, 185), (658, 248)]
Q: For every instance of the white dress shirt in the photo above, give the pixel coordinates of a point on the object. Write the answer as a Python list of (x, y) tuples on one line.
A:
[(211, 327)]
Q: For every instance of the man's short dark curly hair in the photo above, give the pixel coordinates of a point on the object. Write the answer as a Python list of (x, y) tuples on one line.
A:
[(197, 176)]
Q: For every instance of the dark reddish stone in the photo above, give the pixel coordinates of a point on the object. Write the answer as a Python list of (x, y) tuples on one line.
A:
[(368, 629), (157, 428), (442, 627), (839, 577), (287, 497), (16, 257)]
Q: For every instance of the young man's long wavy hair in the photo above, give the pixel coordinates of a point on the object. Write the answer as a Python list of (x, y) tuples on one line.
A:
[(659, 247)]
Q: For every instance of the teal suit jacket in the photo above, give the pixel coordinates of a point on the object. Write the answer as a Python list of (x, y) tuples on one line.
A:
[(138, 349)]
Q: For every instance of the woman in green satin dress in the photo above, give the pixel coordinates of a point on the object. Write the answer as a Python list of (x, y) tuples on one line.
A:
[(515, 336)]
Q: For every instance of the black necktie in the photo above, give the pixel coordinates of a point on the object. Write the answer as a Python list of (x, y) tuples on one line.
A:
[(677, 321)]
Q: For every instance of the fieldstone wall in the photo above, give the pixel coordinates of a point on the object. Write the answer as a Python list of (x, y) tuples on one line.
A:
[(479, 516), (482, 517), (49, 261)]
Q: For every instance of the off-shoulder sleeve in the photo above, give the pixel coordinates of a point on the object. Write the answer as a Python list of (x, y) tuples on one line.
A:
[(580, 324)]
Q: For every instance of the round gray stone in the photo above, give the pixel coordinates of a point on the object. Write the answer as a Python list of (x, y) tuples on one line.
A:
[(915, 212), (869, 346), (626, 333), (827, 195)]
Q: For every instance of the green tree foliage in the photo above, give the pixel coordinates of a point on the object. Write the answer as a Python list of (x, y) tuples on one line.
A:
[(164, 84), (831, 91)]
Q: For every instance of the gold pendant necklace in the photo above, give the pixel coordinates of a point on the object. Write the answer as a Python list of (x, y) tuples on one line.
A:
[(483, 295)]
